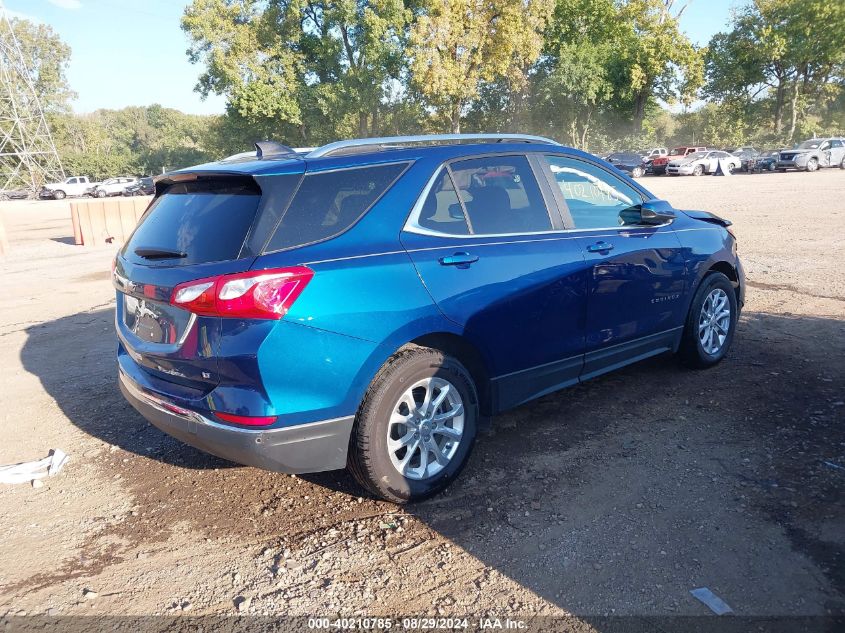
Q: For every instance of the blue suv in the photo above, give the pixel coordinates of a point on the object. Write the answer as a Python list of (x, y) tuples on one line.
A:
[(370, 303)]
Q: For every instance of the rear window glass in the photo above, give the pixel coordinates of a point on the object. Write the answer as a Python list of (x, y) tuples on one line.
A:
[(206, 220), (328, 203)]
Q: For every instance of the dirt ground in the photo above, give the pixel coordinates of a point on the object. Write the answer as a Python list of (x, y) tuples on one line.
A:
[(615, 497)]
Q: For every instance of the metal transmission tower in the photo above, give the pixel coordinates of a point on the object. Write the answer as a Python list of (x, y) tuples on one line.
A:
[(28, 156)]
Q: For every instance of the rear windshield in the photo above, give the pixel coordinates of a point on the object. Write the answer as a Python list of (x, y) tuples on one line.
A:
[(200, 221), (328, 203)]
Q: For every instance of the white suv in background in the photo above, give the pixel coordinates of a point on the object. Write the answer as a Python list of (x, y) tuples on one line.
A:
[(112, 186)]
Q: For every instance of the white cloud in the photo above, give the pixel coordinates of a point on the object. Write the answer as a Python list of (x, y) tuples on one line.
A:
[(19, 15), (66, 4)]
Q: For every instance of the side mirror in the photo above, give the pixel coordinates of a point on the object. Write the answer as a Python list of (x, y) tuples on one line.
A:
[(655, 212), (649, 213)]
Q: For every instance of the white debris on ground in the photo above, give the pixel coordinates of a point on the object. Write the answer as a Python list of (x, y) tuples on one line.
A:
[(34, 471)]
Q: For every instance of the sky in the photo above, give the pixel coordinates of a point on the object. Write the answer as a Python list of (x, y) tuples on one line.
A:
[(132, 52)]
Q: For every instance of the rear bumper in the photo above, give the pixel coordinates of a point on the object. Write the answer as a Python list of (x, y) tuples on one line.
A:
[(303, 448)]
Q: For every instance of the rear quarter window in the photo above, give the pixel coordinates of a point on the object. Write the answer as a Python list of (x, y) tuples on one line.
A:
[(328, 203)]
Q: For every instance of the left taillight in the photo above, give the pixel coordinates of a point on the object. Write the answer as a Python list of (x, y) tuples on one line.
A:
[(257, 294)]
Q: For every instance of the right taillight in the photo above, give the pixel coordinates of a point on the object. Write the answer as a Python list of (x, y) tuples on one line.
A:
[(257, 294)]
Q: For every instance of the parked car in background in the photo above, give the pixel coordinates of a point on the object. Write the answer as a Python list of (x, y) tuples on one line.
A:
[(654, 152), (766, 161), (699, 163), (372, 305), (72, 186), (15, 194), (813, 154), (631, 163), (143, 187), (112, 186), (658, 165), (745, 154)]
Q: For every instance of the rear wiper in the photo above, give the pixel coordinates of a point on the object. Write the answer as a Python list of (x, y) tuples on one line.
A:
[(158, 253)]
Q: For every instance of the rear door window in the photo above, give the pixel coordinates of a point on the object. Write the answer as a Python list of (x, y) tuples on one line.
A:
[(500, 195), (328, 203), (198, 221)]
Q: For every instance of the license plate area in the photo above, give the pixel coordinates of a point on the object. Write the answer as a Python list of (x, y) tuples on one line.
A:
[(153, 322)]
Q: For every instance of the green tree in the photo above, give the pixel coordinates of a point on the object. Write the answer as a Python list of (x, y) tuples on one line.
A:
[(658, 60), (46, 57), (301, 68), (456, 46), (781, 57)]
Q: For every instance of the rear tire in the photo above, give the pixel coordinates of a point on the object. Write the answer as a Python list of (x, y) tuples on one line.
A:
[(394, 427), (708, 331)]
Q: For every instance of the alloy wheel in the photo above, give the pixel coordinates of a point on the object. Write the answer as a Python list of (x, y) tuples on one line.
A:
[(714, 322), (425, 428)]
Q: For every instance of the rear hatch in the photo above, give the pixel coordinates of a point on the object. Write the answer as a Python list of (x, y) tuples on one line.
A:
[(195, 228)]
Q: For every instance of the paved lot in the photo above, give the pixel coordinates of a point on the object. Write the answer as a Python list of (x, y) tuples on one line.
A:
[(615, 497)]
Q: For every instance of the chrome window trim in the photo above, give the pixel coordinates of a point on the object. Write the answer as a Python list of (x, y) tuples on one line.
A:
[(412, 223)]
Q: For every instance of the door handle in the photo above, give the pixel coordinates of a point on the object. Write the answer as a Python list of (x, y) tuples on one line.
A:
[(462, 260), (600, 247)]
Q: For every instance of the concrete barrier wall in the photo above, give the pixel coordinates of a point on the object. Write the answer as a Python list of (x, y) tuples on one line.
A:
[(106, 220)]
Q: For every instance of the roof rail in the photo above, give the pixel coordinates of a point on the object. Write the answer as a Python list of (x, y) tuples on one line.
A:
[(387, 141)]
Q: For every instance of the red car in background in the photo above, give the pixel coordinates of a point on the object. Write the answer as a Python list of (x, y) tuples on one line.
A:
[(658, 165)]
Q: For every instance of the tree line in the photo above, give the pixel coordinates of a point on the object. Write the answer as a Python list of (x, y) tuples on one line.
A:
[(595, 74)]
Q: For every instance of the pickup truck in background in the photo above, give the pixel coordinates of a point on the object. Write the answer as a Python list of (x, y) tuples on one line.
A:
[(72, 186)]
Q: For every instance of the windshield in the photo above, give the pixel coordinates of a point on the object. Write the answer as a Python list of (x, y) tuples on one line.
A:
[(811, 144)]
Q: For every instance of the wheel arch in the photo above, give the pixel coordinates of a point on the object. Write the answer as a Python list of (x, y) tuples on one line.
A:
[(469, 356), (729, 271)]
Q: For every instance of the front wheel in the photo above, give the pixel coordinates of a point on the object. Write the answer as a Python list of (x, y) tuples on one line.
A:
[(698, 171), (637, 172), (812, 164), (710, 324), (100, 193), (416, 427), (842, 164), (58, 195)]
